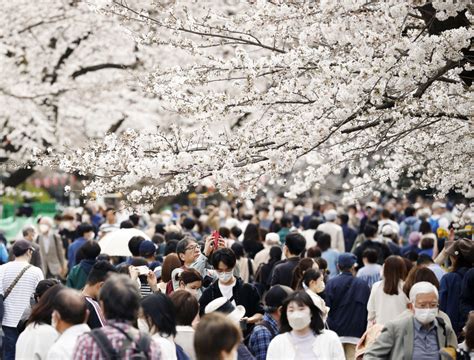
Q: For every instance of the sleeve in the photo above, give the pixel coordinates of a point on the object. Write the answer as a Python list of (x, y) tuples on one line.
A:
[(205, 299), (60, 249), (3, 253), (258, 343), (382, 346), (340, 241), (337, 351), (275, 277), (200, 264), (371, 304), (274, 349), (255, 296), (443, 293)]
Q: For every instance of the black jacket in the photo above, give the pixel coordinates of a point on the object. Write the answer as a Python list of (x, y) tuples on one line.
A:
[(244, 294), (383, 251), (283, 273)]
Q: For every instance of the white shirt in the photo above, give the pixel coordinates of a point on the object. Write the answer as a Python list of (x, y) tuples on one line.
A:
[(35, 341), (337, 236), (63, 348), (19, 299), (326, 346), (393, 224), (167, 347), (185, 339), (309, 236), (262, 257), (226, 291), (383, 307)]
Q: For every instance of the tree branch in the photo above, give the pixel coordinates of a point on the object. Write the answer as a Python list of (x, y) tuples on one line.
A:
[(87, 69), (423, 87)]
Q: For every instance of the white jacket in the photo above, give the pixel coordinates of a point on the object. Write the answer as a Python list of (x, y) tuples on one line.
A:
[(326, 346), (337, 236)]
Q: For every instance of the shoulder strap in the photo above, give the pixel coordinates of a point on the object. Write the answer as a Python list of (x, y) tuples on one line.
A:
[(249, 265), (12, 285), (267, 325), (105, 346), (443, 326), (143, 341)]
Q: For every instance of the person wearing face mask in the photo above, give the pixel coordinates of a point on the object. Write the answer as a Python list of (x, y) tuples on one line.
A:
[(51, 248), (159, 320), (38, 336), (85, 233), (187, 309), (69, 319), (18, 281), (191, 281), (231, 287), (268, 328), (313, 283), (419, 336), (302, 333)]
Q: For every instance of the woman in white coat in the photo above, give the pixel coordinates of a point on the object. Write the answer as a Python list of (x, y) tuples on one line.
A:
[(313, 283), (34, 342), (387, 299), (302, 333)]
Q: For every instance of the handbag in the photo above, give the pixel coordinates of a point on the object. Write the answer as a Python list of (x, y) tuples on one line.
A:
[(9, 290)]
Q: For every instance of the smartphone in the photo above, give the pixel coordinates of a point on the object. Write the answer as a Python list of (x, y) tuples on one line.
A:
[(143, 270), (243, 324), (215, 235)]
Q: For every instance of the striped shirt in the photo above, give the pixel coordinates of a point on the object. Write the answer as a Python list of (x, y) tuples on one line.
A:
[(19, 299)]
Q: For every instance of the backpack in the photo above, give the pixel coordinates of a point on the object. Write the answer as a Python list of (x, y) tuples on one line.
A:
[(266, 325), (250, 267), (110, 353)]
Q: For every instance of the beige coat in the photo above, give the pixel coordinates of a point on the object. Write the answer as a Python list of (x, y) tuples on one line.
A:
[(53, 257)]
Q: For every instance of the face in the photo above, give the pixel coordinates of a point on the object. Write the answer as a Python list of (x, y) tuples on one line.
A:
[(191, 253), (89, 235), (426, 301), (110, 216), (224, 273)]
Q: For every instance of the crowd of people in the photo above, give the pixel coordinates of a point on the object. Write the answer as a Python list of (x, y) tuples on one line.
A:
[(261, 279)]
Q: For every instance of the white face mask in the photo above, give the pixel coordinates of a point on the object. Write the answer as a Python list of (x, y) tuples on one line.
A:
[(425, 316), (299, 319), (224, 276), (320, 286), (43, 228), (194, 292), (143, 325)]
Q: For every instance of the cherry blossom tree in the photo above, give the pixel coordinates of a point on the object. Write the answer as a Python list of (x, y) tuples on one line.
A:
[(289, 92), (68, 75)]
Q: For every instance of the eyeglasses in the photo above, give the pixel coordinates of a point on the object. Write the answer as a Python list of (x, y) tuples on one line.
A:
[(427, 306), (192, 247)]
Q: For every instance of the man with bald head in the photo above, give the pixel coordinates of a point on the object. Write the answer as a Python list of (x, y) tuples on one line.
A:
[(69, 318), (418, 336)]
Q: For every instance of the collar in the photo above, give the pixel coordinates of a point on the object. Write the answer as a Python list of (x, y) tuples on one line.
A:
[(418, 325), (294, 258)]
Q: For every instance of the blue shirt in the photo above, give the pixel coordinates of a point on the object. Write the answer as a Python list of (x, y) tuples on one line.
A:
[(370, 273), (261, 337), (425, 342), (331, 256), (72, 250)]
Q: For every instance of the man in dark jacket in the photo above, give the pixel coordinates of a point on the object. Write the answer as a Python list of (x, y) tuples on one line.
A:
[(347, 297), (295, 244), (372, 242), (231, 287)]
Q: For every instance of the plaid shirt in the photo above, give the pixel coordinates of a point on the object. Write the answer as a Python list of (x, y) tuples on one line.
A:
[(261, 337), (88, 349)]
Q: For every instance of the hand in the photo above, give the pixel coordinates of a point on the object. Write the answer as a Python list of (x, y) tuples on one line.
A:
[(152, 280), (133, 271), (208, 245), (221, 243), (253, 319)]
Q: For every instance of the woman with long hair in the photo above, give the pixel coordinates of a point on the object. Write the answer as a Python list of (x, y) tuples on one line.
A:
[(302, 333), (387, 299), (313, 283), (298, 272), (34, 342), (252, 241), (263, 276)]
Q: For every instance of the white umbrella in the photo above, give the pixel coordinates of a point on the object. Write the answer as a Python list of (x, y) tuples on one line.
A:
[(115, 243)]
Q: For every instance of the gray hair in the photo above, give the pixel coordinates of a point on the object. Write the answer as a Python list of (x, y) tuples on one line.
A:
[(422, 287), (27, 229)]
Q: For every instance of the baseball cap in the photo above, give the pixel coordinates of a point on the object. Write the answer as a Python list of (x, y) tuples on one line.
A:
[(346, 260), (147, 248), (20, 247)]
